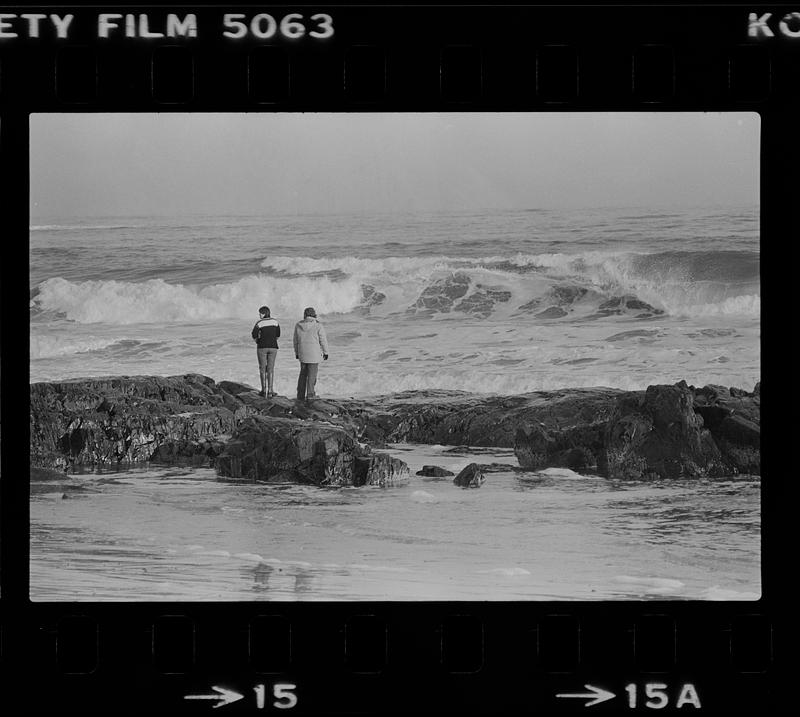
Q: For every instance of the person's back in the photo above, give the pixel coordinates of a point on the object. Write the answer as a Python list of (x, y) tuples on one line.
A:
[(310, 347), (265, 333), (311, 343)]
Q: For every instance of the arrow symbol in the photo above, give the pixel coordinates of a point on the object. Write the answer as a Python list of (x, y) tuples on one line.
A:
[(596, 695), (225, 697)]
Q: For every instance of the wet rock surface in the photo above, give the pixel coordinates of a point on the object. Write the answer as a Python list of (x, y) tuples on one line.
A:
[(128, 419), (434, 472), (667, 431), (268, 449), (659, 435), (470, 477)]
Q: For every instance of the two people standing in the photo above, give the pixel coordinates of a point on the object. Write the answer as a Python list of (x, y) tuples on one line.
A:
[(310, 347)]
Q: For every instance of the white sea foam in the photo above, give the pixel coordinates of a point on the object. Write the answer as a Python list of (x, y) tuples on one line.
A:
[(479, 380), (651, 585), (76, 227), (563, 473), (744, 305), (668, 283), (249, 556), (421, 496), (156, 301), (718, 593), (507, 572)]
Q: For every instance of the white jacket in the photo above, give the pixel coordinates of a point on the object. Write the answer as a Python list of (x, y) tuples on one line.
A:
[(310, 341)]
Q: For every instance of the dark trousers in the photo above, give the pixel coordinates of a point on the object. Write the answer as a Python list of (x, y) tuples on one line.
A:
[(307, 381)]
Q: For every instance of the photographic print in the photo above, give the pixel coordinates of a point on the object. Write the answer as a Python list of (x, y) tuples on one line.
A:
[(338, 357)]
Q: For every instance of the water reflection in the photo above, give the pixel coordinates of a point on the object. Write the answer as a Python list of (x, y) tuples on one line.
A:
[(302, 579)]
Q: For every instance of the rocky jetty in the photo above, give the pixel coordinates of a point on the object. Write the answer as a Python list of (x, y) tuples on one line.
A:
[(666, 431)]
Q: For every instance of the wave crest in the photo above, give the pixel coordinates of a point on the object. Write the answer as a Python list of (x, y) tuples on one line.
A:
[(695, 284), (156, 301)]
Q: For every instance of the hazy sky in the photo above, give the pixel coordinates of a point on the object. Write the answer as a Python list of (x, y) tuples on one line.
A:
[(152, 164)]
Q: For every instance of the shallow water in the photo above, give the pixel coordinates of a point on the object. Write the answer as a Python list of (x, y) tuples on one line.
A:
[(180, 534)]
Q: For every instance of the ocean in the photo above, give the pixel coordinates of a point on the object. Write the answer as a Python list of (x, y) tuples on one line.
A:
[(490, 301)]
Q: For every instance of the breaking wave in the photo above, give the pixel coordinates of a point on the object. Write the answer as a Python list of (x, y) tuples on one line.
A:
[(697, 284), (156, 301)]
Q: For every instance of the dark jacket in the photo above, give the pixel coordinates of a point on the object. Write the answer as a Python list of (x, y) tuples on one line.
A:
[(266, 333)]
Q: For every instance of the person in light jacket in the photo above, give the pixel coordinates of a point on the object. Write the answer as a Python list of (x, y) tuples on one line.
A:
[(310, 345)]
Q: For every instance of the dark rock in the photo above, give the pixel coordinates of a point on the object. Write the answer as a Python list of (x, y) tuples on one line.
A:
[(434, 472), (470, 477), (568, 431), (659, 435), (379, 469), (137, 414), (266, 449), (457, 418), (734, 418), (667, 431), (532, 446), (499, 468), (712, 415), (739, 431), (234, 388), (757, 389), (739, 459)]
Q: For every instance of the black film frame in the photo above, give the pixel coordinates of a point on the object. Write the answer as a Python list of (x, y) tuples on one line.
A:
[(459, 658)]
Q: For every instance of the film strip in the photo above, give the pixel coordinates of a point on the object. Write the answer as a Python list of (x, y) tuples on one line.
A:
[(479, 656)]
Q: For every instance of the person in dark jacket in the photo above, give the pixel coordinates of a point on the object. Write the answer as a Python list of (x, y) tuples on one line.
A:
[(310, 346), (265, 333)]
